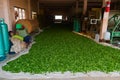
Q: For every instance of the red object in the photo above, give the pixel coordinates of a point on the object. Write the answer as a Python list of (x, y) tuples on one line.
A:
[(23, 27), (107, 9)]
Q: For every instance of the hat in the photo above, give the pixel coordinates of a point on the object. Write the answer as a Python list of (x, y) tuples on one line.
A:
[(18, 26)]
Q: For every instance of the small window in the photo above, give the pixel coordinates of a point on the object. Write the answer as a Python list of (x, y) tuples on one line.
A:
[(23, 13), (19, 13), (34, 15), (58, 17), (16, 13)]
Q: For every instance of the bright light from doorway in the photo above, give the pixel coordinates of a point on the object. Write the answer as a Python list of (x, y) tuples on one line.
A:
[(58, 17)]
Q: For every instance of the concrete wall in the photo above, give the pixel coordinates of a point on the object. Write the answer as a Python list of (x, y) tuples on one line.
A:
[(4, 12), (1, 9)]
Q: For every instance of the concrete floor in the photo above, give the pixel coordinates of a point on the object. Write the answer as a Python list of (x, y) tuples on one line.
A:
[(78, 78)]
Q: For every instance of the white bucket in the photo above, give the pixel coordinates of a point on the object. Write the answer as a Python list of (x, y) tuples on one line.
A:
[(107, 36), (97, 37)]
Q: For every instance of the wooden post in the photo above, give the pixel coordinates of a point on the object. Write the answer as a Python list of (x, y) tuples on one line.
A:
[(103, 3), (84, 13), (77, 7), (29, 9), (85, 7), (105, 20), (38, 5)]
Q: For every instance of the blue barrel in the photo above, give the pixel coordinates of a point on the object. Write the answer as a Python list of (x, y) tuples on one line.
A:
[(76, 25), (4, 28), (2, 49)]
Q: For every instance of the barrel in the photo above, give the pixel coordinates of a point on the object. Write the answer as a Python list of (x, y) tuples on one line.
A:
[(30, 25), (2, 49), (76, 26), (4, 29)]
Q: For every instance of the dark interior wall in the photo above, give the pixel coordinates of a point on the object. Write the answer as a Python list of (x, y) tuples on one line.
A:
[(47, 14), (34, 5), (70, 11), (115, 5)]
